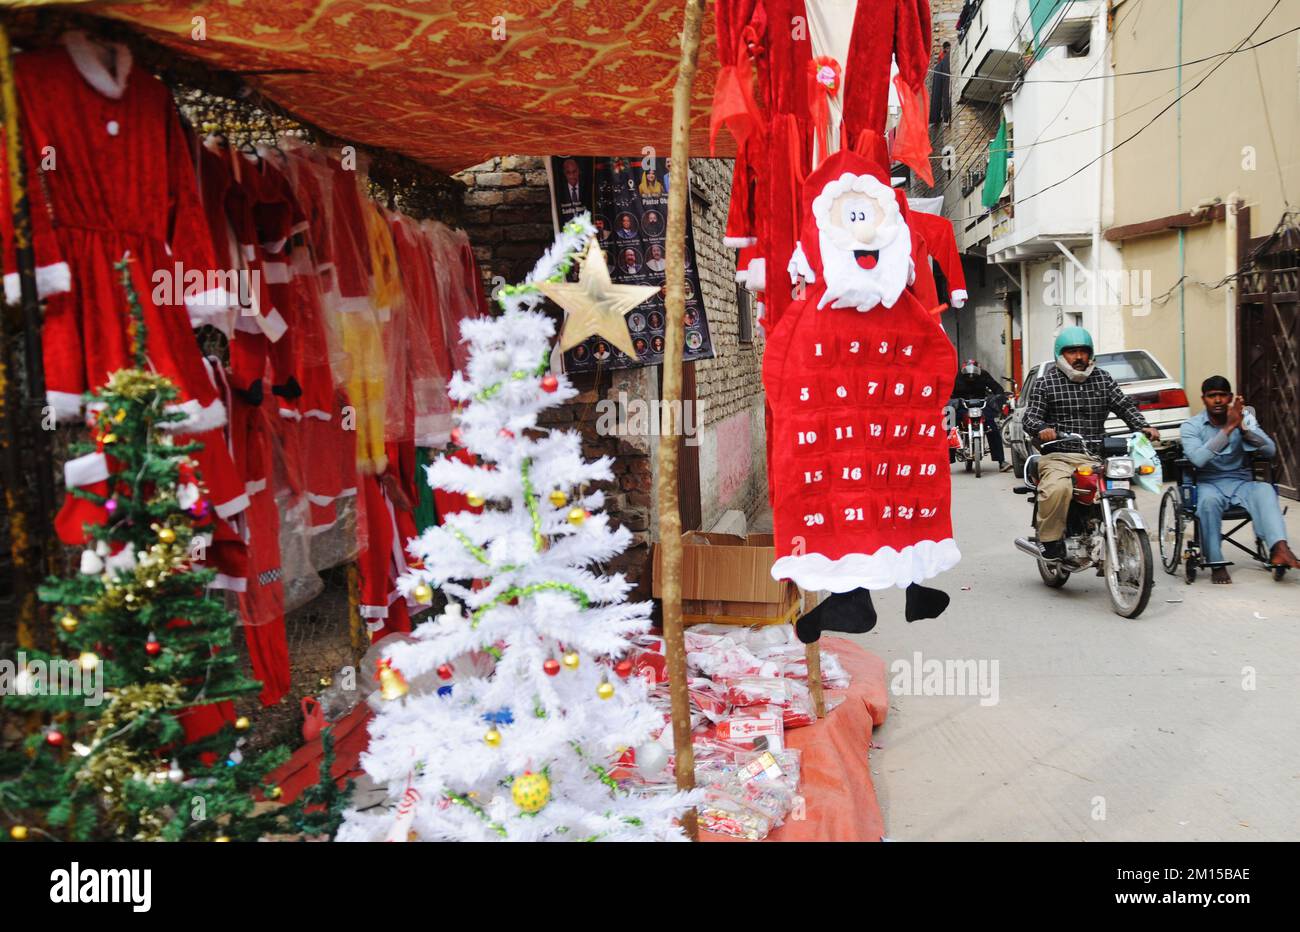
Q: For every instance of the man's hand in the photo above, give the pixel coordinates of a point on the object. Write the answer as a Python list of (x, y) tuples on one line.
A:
[(1046, 434), (1152, 434), (1236, 411)]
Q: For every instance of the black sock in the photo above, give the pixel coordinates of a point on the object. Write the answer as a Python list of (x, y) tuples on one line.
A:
[(924, 602), (850, 612)]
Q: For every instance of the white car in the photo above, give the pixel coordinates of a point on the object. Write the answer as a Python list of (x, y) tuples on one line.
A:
[(1160, 398)]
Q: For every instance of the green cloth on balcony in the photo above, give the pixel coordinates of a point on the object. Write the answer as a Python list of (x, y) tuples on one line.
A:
[(996, 178)]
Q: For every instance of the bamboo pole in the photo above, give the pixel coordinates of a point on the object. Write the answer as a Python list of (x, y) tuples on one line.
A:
[(670, 519), (29, 521)]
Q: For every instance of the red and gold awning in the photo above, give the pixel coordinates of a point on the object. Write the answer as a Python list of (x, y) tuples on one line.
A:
[(448, 82)]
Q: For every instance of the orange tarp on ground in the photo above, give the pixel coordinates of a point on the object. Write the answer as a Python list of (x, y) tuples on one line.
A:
[(449, 82), (839, 797)]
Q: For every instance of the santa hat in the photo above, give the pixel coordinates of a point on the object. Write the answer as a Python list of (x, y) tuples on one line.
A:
[(869, 157)]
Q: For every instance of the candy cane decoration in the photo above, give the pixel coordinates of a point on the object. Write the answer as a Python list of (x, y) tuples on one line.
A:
[(405, 814)]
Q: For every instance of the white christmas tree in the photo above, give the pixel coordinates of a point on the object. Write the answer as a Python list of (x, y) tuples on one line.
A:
[(501, 719)]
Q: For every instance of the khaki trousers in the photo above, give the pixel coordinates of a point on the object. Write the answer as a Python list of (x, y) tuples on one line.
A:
[(1055, 489)]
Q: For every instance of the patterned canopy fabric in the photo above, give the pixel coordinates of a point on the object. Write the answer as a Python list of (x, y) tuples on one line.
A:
[(449, 82)]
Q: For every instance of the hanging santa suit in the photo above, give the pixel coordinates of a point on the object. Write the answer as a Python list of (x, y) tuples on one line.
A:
[(122, 183), (942, 246), (857, 372)]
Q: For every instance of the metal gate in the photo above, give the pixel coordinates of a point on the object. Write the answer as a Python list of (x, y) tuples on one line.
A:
[(1268, 319)]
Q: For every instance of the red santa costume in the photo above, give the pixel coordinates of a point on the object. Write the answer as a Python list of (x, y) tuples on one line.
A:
[(856, 373), (121, 183)]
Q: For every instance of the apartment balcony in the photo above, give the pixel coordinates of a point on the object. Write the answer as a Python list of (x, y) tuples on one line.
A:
[(988, 52)]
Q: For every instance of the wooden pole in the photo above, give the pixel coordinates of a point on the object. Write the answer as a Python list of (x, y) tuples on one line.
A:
[(29, 521), (670, 519)]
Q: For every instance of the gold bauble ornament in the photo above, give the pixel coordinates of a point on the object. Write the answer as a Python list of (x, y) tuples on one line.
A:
[(570, 660), (492, 738), (68, 623), (531, 791), (422, 593), (110, 438), (594, 306), (120, 416), (475, 499), (222, 838), (242, 723), (18, 833), (167, 535), (577, 515), (88, 660), (605, 690), (558, 498), (274, 793)]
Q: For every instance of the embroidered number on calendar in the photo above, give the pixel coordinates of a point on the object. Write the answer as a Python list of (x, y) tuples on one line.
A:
[(855, 514), (814, 519)]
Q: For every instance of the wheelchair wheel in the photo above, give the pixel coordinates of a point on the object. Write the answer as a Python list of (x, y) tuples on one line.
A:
[(1170, 529), (1279, 573), (1190, 569)]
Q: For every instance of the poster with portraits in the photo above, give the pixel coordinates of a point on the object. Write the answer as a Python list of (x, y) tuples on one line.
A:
[(628, 200)]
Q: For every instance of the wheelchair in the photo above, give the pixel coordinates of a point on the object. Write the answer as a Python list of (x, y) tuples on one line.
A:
[(1178, 512)]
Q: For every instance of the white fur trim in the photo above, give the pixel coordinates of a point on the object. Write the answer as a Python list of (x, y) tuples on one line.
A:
[(253, 486), (232, 583), (198, 418), (739, 242), (958, 297), (88, 63), (274, 246), (754, 278), (289, 414), (887, 567), (85, 470), (318, 414), (50, 279), (66, 405), (373, 611), (273, 325), (233, 507)]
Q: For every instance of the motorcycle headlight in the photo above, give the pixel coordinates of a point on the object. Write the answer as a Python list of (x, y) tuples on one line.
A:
[(1119, 467)]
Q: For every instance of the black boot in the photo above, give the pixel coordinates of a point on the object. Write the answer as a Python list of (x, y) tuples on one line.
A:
[(850, 612), (924, 602)]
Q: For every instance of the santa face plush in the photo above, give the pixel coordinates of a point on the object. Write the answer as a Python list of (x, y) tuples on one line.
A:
[(866, 249)]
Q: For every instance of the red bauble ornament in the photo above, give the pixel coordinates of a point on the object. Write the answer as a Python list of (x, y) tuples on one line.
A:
[(507, 433), (456, 437), (445, 672), (550, 383), (152, 647), (623, 668), (552, 666), (54, 738)]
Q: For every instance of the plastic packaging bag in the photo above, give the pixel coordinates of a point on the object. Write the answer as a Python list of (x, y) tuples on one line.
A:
[(1144, 454)]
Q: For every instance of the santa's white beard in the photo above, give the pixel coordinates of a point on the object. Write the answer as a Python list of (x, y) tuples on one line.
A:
[(850, 285)]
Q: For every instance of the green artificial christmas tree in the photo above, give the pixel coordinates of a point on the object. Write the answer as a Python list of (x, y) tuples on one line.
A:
[(154, 653)]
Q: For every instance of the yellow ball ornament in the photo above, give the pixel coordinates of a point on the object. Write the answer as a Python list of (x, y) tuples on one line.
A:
[(605, 690), (558, 498), (166, 535), (577, 515), (492, 738), (110, 438), (422, 593), (531, 791), (475, 499), (274, 793), (18, 833), (68, 623), (242, 723), (570, 660)]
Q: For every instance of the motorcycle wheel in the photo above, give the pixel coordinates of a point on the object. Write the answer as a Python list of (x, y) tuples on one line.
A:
[(1170, 532), (977, 452), (1054, 574), (1130, 580)]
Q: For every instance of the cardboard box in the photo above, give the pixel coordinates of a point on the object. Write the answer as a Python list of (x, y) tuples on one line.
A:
[(727, 579)]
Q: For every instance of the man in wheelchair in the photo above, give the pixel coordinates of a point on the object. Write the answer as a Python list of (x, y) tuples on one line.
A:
[(1220, 442)]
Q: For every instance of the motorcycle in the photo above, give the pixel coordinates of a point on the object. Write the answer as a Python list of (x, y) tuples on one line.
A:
[(971, 433), (1102, 528)]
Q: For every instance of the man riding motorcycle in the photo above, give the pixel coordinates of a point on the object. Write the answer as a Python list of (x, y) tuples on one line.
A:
[(974, 382), (1074, 396)]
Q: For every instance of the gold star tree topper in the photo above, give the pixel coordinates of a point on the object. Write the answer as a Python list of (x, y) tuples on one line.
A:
[(594, 306)]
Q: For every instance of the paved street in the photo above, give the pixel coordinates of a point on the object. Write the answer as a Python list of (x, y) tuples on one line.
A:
[(1104, 728)]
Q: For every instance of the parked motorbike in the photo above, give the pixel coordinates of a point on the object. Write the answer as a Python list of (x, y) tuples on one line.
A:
[(1102, 529)]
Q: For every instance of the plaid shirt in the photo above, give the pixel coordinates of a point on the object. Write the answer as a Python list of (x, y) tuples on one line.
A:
[(1077, 408)]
